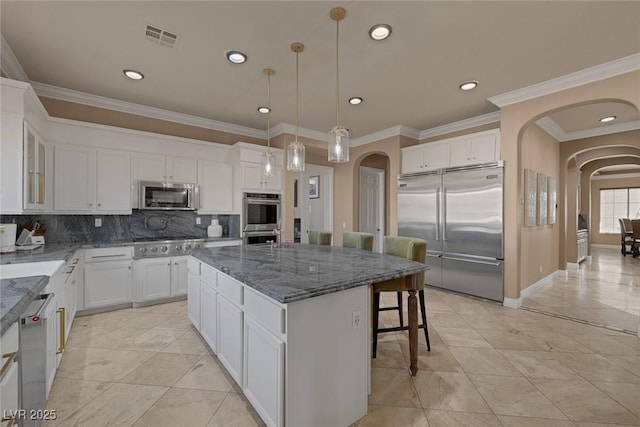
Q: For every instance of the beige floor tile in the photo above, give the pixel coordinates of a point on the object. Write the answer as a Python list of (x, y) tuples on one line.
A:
[(628, 395), (118, 318), (448, 320), (189, 343), (603, 344), (100, 336), (147, 320), (538, 364), (529, 322), (389, 355), (151, 339), (594, 367), (485, 321), (550, 341), (630, 363), (581, 401), (438, 359), (182, 407), (163, 369), (235, 411), (587, 424), (456, 337), (483, 361), (508, 340), (632, 341), (177, 321), (449, 391), (384, 416), (206, 374), (508, 421), (169, 308), (120, 405), (393, 387), (460, 419), (514, 396), (67, 396), (112, 366), (437, 306), (76, 358)]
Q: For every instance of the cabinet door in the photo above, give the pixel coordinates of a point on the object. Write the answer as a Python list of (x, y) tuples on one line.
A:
[(483, 149), (179, 276), (208, 316), (155, 277), (34, 170), (182, 170), (193, 299), (274, 182), (61, 324), (252, 176), (113, 180), (107, 283), (74, 178), (460, 152), (435, 156), (412, 160), (229, 336), (215, 182), (263, 372), (149, 167), (9, 390)]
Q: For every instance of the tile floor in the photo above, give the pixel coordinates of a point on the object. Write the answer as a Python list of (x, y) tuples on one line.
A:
[(489, 366)]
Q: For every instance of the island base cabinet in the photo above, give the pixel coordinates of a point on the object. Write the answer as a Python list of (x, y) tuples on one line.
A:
[(208, 315), (230, 329), (193, 299), (263, 372)]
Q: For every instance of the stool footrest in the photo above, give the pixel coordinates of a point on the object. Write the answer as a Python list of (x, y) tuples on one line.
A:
[(398, 328)]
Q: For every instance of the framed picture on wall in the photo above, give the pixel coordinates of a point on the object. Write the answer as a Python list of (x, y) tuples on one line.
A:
[(542, 199), (530, 197), (314, 187), (553, 199)]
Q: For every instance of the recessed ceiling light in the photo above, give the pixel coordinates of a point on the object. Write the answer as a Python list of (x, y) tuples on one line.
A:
[(133, 74), (380, 32), (355, 100), (471, 84), (607, 119), (264, 110), (236, 56)]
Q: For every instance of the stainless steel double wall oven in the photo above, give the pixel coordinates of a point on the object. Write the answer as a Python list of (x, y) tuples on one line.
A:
[(260, 217)]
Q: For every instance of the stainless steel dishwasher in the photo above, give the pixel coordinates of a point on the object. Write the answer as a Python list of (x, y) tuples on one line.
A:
[(37, 345)]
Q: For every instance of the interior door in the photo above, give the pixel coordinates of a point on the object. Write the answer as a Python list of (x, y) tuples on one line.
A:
[(315, 209), (372, 204)]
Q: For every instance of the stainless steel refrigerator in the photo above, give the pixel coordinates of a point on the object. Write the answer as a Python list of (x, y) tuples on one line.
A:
[(459, 212)]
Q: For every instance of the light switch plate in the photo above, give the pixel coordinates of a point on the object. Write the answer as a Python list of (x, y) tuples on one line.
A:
[(198, 220), (98, 222)]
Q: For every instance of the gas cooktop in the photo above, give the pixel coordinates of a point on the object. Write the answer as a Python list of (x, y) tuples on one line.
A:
[(165, 246)]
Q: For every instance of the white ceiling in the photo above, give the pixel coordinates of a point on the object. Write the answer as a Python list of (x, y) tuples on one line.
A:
[(410, 79)]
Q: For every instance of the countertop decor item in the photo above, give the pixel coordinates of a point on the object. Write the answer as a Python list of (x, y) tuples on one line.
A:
[(215, 229)]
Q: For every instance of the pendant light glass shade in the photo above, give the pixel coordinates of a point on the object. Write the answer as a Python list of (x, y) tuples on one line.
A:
[(339, 144), (295, 149), (338, 149), (268, 159)]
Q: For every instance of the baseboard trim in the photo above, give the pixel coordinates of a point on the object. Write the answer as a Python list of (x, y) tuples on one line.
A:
[(530, 290), (599, 245), (573, 265)]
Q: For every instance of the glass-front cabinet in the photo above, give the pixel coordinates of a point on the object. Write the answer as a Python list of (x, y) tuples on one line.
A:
[(35, 154)]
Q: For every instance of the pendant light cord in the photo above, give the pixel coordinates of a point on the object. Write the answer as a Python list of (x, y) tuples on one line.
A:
[(337, 74), (269, 114), (297, 108)]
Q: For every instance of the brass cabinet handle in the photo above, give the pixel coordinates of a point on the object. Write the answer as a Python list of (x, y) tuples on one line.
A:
[(61, 312), (11, 357)]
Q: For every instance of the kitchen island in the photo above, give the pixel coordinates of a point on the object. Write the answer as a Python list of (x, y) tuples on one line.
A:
[(291, 325)]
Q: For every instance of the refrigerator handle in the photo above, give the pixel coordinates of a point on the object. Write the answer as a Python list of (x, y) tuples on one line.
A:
[(438, 214), (444, 214)]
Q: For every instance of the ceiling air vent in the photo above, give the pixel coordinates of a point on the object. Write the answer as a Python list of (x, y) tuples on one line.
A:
[(160, 36)]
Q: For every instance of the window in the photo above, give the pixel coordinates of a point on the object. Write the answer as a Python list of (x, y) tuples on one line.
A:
[(618, 203)]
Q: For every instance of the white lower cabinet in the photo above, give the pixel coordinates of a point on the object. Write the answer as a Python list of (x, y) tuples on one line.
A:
[(208, 314), (263, 372), (153, 276), (229, 337), (107, 283), (9, 374), (179, 276), (193, 298)]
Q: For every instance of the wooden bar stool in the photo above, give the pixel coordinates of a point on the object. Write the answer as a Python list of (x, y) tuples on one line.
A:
[(415, 250), (319, 237)]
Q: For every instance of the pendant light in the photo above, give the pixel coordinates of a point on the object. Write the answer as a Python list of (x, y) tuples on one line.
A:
[(339, 135), (295, 150), (268, 159)]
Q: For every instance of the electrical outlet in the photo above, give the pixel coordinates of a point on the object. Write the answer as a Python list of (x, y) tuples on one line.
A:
[(98, 222), (540, 268), (344, 225), (356, 320), (198, 220)]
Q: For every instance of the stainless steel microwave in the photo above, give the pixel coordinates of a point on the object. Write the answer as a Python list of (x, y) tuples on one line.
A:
[(168, 196)]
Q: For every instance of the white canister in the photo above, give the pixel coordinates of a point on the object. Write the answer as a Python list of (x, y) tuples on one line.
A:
[(215, 229), (8, 238)]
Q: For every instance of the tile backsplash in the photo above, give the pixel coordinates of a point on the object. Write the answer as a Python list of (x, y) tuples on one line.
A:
[(125, 228)]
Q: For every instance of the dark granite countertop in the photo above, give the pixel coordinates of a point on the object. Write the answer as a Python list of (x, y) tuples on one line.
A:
[(305, 271), (47, 252), (17, 294)]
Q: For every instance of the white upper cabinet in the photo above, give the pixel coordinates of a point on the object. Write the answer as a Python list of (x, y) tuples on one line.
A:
[(35, 156), (251, 177), (215, 182), (153, 167), (481, 147), (90, 180)]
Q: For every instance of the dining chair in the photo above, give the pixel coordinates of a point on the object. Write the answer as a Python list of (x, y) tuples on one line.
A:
[(409, 248), (319, 237), (358, 240), (626, 235)]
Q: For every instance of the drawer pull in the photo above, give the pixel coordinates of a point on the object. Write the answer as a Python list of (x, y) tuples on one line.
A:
[(108, 256), (61, 312), (11, 357)]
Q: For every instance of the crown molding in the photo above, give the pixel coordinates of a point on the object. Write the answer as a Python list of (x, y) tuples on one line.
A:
[(615, 176), (553, 129), (472, 122), (10, 64), (399, 130), (568, 81), (83, 98), (286, 128)]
